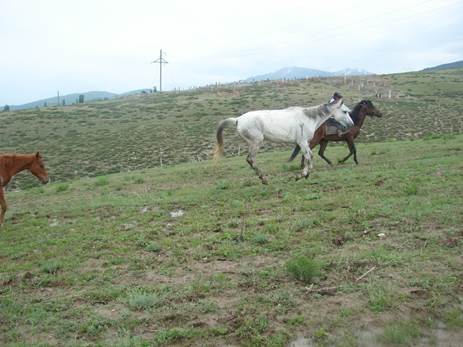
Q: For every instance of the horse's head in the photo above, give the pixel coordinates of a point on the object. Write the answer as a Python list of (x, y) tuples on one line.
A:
[(370, 109), (340, 113), (38, 169)]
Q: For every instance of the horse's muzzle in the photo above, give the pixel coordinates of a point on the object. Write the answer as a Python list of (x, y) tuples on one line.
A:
[(45, 180), (347, 122)]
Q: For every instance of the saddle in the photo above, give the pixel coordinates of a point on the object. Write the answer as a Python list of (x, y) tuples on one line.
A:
[(333, 127)]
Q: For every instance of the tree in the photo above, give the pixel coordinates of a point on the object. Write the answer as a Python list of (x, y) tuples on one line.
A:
[(6, 108)]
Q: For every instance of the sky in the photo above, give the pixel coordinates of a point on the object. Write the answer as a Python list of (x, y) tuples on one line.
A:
[(86, 45)]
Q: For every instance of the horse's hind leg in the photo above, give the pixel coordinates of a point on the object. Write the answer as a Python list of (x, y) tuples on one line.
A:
[(2, 206), (321, 151), (251, 159)]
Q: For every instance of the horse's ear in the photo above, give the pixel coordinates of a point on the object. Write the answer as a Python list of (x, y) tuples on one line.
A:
[(336, 100), (337, 103), (37, 155)]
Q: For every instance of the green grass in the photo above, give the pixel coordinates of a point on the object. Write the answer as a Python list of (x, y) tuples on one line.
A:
[(107, 263), (303, 269), (109, 260), (141, 300), (402, 333), (139, 132)]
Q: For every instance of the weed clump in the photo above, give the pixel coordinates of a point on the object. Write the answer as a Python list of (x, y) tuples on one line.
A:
[(303, 269), (50, 267), (153, 247), (101, 181), (139, 299), (62, 187)]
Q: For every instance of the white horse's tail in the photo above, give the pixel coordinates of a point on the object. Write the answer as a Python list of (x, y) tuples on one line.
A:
[(218, 151)]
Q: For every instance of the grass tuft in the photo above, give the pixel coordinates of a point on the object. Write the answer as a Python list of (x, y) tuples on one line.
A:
[(139, 299), (51, 266), (402, 333), (303, 269)]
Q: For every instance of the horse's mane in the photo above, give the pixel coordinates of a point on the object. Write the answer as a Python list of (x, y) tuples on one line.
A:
[(356, 111), (8, 158), (314, 111)]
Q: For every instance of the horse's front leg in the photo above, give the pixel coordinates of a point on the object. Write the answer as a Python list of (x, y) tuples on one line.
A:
[(2, 205), (307, 155), (351, 152), (355, 153)]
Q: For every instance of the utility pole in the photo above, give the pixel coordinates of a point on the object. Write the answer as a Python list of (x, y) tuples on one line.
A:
[(160, 61), (58, 99)]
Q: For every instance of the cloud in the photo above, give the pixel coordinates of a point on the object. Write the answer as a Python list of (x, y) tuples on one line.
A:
[(108, 45)]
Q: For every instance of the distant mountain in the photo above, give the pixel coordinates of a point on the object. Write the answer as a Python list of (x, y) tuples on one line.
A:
[(302, 72), (454, 65), (289, 73), (137, 91), (73, 98), (351, 72)]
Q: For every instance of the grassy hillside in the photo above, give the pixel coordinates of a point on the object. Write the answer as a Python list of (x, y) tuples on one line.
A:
[(202, 254), (453, 65), (131, 133)]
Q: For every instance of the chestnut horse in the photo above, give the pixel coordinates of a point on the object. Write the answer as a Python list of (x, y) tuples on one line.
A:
[(11, 164), (361, 110)]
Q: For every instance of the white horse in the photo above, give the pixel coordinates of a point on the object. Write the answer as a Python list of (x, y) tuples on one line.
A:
[(294, 125)]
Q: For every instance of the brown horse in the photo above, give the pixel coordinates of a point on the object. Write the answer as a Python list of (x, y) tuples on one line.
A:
[(322, 136), (11, 164)]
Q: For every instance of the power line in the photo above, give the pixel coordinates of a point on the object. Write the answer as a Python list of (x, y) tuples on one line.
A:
[(409, 13), (160, 61)]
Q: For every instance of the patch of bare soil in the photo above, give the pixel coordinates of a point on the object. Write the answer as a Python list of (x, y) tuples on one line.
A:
[(92, 264), (202, 269), (447, 338), (31, 337), (111, 311)]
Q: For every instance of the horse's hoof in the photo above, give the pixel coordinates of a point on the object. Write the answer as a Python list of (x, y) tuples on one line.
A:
[(264, 180)]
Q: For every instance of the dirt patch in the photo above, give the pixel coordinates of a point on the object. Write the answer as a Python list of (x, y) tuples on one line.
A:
[(447, 338), (113, 311), (179, 277), (302, 342), (201, 269), (92, 264)]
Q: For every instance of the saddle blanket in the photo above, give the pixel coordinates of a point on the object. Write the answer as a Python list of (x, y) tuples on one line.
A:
[(333, 127)]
